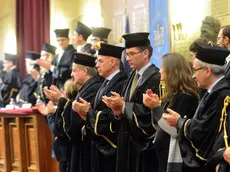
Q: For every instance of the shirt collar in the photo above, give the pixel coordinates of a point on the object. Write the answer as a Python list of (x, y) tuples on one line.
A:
[(143, 69), (211, 87), (112, 75), (79, 47)]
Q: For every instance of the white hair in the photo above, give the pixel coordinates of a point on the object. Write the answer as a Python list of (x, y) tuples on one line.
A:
[(216, 69)]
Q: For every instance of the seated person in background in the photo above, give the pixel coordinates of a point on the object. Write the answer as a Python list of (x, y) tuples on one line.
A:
[(29, 85), (10, 81)]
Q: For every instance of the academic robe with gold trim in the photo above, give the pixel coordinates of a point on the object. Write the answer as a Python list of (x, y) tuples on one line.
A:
[(135, 133), (26, 93), (10, 85), (197, 136), (76, 147), (99, 121), (45, 80)]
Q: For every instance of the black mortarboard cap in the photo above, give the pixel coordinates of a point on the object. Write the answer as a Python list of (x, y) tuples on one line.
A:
[(100, 32), (84, 59), (49, 48), (62, 33), (83, 30), (211, 54), (136, 39), (111, 50), (32, 55), (11, 57)]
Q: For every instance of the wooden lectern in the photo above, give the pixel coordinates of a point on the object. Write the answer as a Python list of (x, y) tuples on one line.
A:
[(25, 142)]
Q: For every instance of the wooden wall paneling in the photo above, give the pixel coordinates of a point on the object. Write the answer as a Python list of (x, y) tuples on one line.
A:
[(14, 145), (31, 144), (22, 144), (6, 143), (43, 141)]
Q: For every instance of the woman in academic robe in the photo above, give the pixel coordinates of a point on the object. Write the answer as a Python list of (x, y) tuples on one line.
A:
[(180, 95)]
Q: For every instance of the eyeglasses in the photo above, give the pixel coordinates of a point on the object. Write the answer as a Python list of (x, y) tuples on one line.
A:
[(131, 54), (194, 70)]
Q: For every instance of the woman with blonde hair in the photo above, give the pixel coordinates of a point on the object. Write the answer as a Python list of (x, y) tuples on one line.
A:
[(182, 96)]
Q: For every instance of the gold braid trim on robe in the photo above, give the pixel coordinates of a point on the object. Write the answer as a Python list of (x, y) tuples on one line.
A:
[(11, 93), (63, 118), (111, 128), (95, 131), (197, 151), (223, 120), (138, 126)]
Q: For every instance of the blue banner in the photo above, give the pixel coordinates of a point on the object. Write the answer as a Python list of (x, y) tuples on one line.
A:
[(159, 29)]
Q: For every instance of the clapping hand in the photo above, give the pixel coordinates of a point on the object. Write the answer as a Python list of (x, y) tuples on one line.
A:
[(115, 102), (82, 107), (150, 99), (171, 117), (54, 94)]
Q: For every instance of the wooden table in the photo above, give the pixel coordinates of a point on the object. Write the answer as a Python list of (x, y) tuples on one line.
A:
[(25, 142)]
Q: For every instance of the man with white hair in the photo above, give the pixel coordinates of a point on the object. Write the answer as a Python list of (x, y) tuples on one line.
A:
[(197, 136)]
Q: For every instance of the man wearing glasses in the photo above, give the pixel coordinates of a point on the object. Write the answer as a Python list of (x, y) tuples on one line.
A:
[(223, 40), (197, 136), (133, 119)]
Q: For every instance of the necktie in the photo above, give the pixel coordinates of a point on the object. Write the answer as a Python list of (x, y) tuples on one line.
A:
[(201, 104), (101, 91), (134, 84)]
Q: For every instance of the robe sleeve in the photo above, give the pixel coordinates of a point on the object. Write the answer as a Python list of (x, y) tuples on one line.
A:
[(201, 132), (139, 124), (101, 123), (183, 104)]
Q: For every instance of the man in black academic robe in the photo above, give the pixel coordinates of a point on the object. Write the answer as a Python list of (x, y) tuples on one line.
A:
[(61, 67), (71, 146), (99, 117), (45, 78), (80, 36), (10, 80), (197, 135), (29, 84), (135, 152)]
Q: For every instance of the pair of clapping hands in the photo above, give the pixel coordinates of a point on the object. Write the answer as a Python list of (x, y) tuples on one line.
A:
[(152, 101), (53, 94)]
